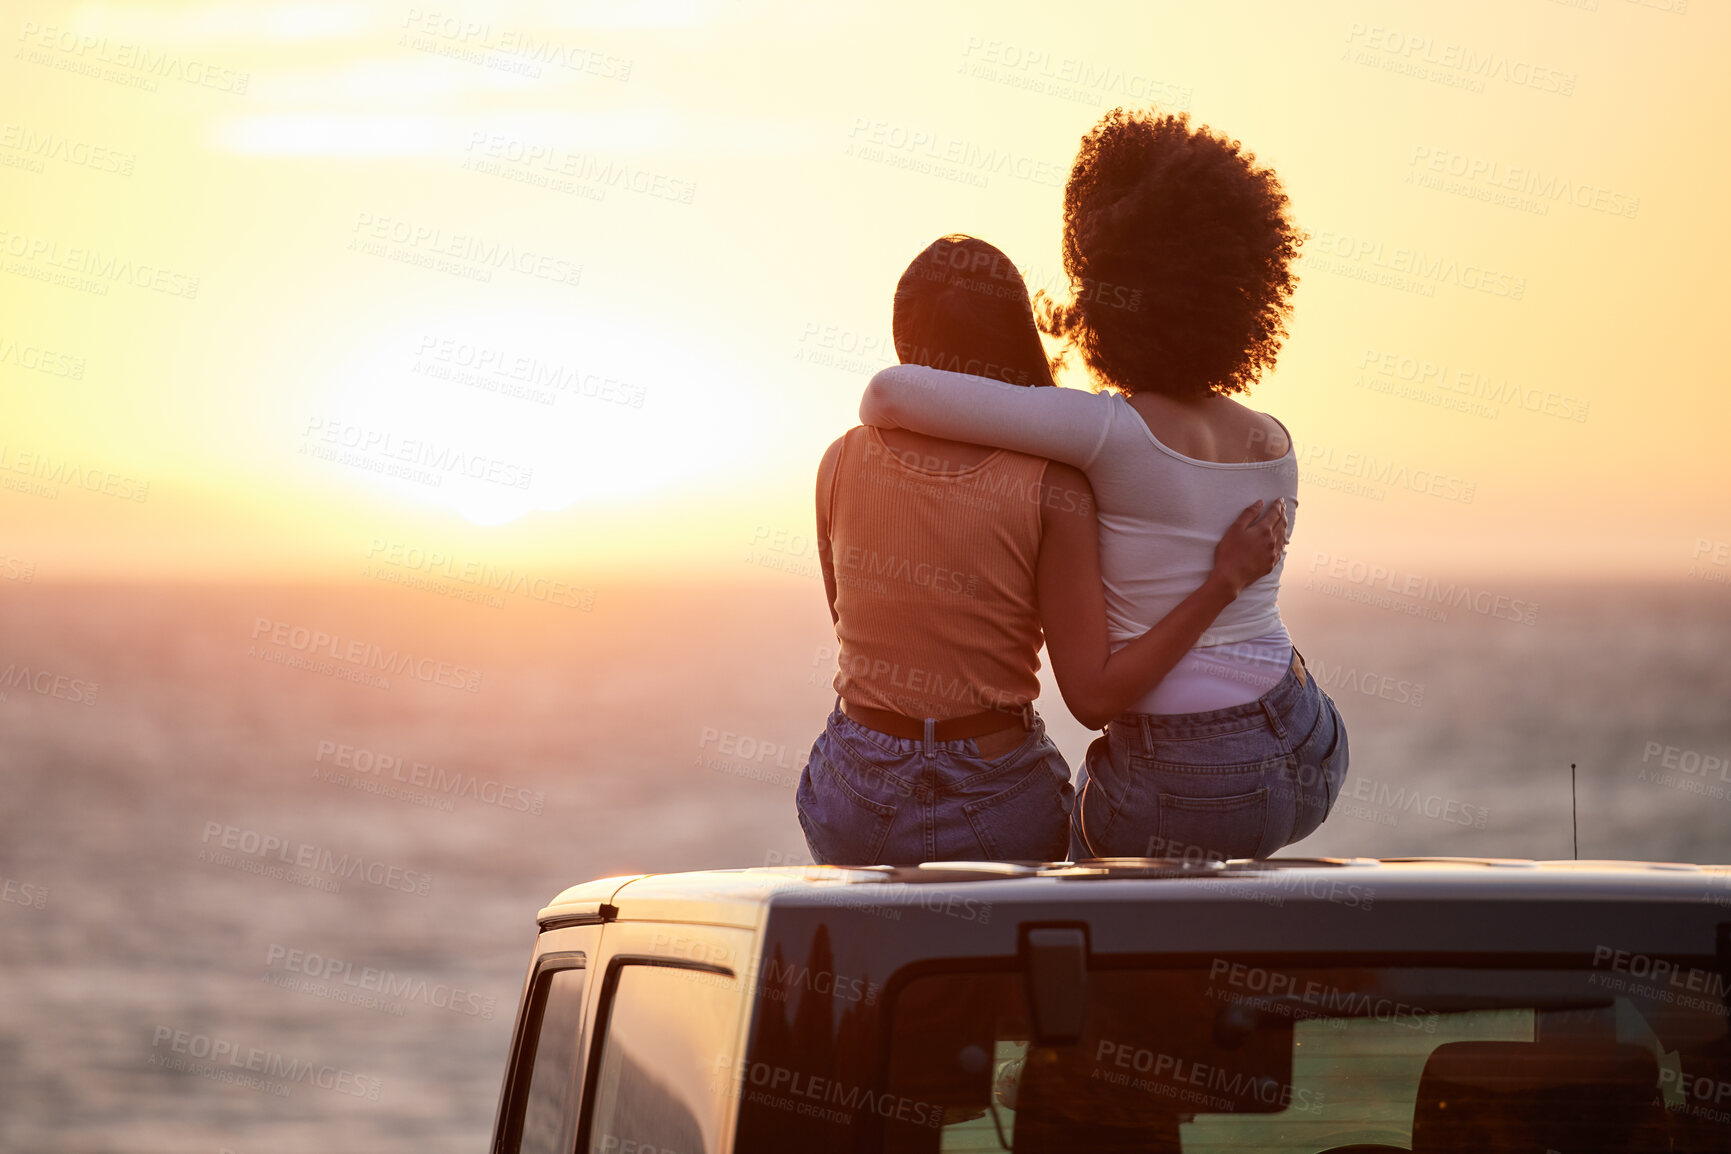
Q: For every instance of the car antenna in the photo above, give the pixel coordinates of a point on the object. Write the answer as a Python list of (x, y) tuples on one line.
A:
[(1574, 812)]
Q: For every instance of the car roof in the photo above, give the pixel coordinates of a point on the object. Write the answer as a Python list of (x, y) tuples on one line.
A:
[(741, 897)]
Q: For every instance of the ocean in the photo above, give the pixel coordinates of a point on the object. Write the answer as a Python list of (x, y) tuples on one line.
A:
[(271, 855)]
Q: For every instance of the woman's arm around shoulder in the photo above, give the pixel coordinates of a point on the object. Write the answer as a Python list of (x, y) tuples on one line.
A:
[(1066, 425)]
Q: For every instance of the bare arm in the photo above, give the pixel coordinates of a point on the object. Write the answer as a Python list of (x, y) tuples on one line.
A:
[(1060, 424), (825, 554), (1097, 684)]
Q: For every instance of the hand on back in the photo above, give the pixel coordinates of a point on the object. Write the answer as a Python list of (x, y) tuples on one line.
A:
[(1252, 546)]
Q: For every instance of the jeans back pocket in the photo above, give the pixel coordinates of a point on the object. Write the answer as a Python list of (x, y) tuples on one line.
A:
[(1029, 821), (1212, 827), (842, 825), (1199, 811)]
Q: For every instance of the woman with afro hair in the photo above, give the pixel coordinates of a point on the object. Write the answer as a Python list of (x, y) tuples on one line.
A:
[(1179, 248)]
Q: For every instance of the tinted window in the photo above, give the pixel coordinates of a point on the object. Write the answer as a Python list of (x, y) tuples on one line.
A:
[(1248, 1055), (550, 1047), (665, 1062)]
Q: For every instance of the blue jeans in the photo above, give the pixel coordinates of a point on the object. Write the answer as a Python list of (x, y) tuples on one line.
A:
[(867, 798), (1240, 782)]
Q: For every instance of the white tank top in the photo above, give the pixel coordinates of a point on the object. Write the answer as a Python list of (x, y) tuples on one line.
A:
[(1161, 515)]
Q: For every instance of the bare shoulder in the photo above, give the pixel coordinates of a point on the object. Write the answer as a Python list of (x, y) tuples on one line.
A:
[(1064, 489), (1058, 473), (1264, 437)]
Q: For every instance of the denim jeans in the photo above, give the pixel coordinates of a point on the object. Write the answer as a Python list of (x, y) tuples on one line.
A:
[(867, 798), (1240, 782)]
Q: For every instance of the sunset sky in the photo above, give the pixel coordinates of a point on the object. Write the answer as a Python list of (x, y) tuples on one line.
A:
[(266, 265)]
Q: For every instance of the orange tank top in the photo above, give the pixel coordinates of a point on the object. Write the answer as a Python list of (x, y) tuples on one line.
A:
[(934, 576)]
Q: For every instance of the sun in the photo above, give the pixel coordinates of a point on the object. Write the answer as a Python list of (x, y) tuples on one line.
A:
[(496, 415)]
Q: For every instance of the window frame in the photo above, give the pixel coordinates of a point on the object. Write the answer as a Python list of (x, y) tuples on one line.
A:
[(513, 1098), (603, 1023)]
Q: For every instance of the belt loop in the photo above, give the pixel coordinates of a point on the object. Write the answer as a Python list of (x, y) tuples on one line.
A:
[(1273, 718), (1028, 715), (931, 725), (1147, 727)]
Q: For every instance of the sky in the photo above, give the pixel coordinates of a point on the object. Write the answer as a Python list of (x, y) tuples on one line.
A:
[(290, 287)]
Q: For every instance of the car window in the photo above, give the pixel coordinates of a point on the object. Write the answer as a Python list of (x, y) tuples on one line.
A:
[(550, 1049), (662, 1081), (1251, 1055)]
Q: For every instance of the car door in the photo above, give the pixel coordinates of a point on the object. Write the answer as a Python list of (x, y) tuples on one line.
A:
[(538, 1106), (670, 1017)]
